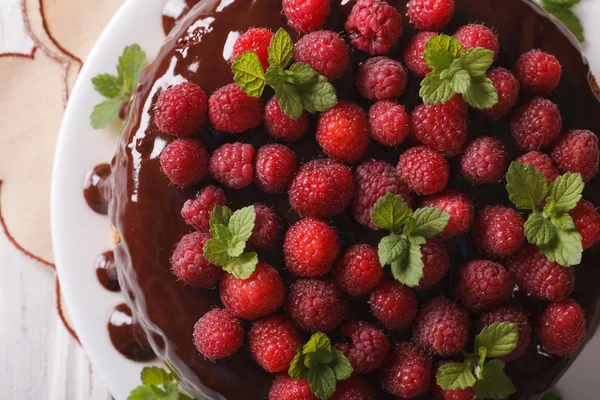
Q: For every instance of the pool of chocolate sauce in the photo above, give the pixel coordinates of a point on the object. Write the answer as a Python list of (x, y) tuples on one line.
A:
[(127, 335), (96, 188), (106, 271)]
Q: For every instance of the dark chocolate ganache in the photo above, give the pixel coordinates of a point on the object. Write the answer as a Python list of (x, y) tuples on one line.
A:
[(96, 188), (145, 207), (127, 335), (106, 271)]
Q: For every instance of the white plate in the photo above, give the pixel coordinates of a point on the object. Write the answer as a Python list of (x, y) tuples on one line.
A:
[(79, 235)]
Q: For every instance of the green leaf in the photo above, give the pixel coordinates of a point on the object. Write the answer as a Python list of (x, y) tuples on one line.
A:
[(563, 221), (275, 74), (215, 252), (526, 186), (142, 393), (289, 100), (455, 376), (435, 90), (321, 379), (567, 250), (281, 49), (220, 215), (429, 222), (482, 93), (241, 224), (476, 61), (319, 345), (494, 383), (479, 367), (104, 113), (409, 270), (392, 248), (249, 74), (107, 85), (440, 51), (539, 230), (222, 234), (567, 17), (241, 267), (416, 239), (565, 192), (499, 339), (568, 3), (301, 74), (172, 389), (235, 249), (319, 96), (341, 367), (550, 396), (460, 82), (152, 376), (390, 212), (130, 66), (297, 369)]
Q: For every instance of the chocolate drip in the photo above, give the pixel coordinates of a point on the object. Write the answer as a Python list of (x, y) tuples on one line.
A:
[(127, 335), (106, 271), (96, 188)]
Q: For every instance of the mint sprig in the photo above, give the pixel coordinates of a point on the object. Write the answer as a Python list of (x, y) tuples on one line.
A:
[(562, 10), (457, 71), (297, 87), (550, 227), (230, 231), (321, 364), (157, 384), (408, 231), (117, 88)]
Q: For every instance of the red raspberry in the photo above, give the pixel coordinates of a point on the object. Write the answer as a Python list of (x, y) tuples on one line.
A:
[(561, 327), (538, 72), (218, 334), (259, 295), (443, 127), (381, 78), (256, 40), (184, 162), (539, 276), (231, 164), (315, 305), (276, 167), (483, 285), (497, 231), (435, 262), (359, 271), (587, 220), (196, 212), (343, 132), (430, 15), (231, 110), (536, 124), (353, 388), (507, 87), (306, 15), (424, 170), (414, 54), (373, 26), (273, 342), (369, 346), (181, 110), (388, 123), (577, 151), (406, 372), (394, 304), (441, 327), (440, 394), (484, 161), (286, 388), (458, 205), (513, 316), (189, 264), (542, 162), (325, 52), (266, 228), (282, 127), (476, 35), (310, 248), (322, 188)]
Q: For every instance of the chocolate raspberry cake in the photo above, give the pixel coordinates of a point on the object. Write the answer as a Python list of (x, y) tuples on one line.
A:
[(194, 140)]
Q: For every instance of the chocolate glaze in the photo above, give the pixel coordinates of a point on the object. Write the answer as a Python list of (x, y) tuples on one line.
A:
[(127, 335), (96, 188), (174, 11), (106, 271), (145, 207)]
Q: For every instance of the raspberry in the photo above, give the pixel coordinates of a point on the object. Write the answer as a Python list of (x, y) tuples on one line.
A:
[(458, 205), (310, 248), (181, 110), (266, 228), (325, 52), (381, 78), (430, 15), (286, 388), (435, 262), (587, 220), (231, 110), (476, 35), (443, 127), (275, 168), (513, 316), (184, 162), (537, 275), (218, 334), (306, 15), (561, 327), (577, 151), (394, 304), (231, 164), (440, 394), (542, 162), (369, 346), (441, 327), (388, 123), (375, 179), (196, 212), (259, 295), (359, 271), (322, 188), (315, 305), (507, 87), (256, 40), (343, 132), (189, 264), (538, 72), (282, 127), (373, 26), (273, 342), (353, 388), (406, 372), (497, 231), (424, 170), (483, 285), (484, 161), (414, 54), (536, 124)]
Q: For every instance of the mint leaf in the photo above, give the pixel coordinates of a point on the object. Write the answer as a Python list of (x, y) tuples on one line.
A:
[(301, 74), (392, 248), (563, 221), (215, 252), (281, 49), (275, 74), (494, 383), (440, 51), (551, 396), (130, 66), (289, 100), (567, 250), (297, 369), (143, 393), (152, 376), (390, 212), (435, 90), (107, 85), (321, 379), (565, 192), (319, 96), (526, 186), (482, 93), (480, 362), (564, 14), (568, 3), (499, 339), (241, 267), (539, 230), (341, 367), (104, 113), (241, 224), (476, 61), (220, 215), (249, 74), (222, 234), (455, 376), (409, 270), (319, 349), (460, 82), (172, 389), (429, 222)]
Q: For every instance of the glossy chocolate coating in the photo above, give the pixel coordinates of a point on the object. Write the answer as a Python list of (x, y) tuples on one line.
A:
[(96, 188), (127, 335), (106, 271)]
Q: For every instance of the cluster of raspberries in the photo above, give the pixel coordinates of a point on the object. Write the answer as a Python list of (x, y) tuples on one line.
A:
[(325, 271)]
